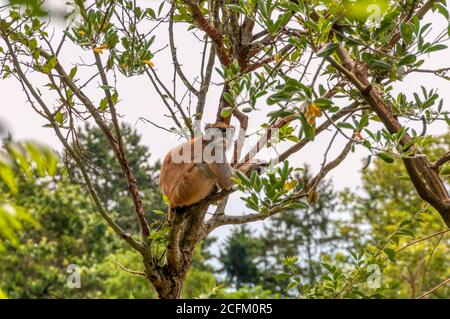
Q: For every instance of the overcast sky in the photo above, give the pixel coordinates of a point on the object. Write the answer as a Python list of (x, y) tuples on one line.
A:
[(138, 99)]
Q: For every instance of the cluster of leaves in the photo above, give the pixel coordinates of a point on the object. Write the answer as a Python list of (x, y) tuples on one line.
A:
[(99, 28), (362, 276), (255, 259), (399, 257), (271, 189), (28, 159)]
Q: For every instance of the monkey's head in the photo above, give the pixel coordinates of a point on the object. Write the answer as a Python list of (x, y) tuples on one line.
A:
[(219, 133), (219, 125)]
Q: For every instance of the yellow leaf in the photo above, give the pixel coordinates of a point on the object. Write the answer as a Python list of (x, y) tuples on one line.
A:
[(277, 57), (312, 198), (358, 136), (81, 32), (315, 110), (312, 112), (100, 48), (149, 63), (290, 185)]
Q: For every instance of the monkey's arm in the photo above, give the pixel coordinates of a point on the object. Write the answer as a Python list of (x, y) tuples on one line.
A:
[(223, 172), (255, 165)]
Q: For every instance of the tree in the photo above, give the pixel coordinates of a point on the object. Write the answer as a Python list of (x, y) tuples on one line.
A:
[(69, 234), (107, 176), (26, 159), (55, 225), (265, 51), (238, 258), (388, 199), (308, 233)]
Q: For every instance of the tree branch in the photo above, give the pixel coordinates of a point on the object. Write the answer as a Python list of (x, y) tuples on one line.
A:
[(426, 180), (213, 34), (117, 229), (173, 51), (434, 289), (121, 153), (441, 161)]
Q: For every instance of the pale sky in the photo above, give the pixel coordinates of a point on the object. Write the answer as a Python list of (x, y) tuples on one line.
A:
[(139, 99)]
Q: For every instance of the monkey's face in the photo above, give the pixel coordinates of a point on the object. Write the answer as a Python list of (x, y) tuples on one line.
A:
[(219, 134), (216, 141)]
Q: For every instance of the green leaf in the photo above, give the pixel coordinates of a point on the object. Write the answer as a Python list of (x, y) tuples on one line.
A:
[(59, 118), (407, 59), (386, 157), (345, 125), (226, 111), (282, 276), (115, 97), (390, 254), (380, 65), (229, 98), (32, 44), (8, 177), (364, 121), (151, 13), (323, 103), (406, 33), (245, 180), (73, 72), (103, 104), (292, 285), (310, 132), (327, 50), (434, 48)]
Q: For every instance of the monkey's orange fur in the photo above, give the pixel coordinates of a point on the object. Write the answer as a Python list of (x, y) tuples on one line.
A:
[(185, 184)]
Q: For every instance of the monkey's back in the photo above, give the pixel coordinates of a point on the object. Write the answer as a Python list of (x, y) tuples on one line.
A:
[(185, 183)]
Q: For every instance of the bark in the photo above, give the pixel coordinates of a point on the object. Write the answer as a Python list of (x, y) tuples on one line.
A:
[(423, 175)]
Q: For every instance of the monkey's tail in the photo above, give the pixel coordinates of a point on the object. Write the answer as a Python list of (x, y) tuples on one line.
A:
[(170, 215)]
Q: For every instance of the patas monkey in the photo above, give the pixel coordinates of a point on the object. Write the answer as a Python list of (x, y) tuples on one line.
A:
[(192, 171)]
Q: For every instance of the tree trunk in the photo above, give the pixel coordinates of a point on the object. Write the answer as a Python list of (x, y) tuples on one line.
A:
[(172, 285), (167, 281), (187, 231)]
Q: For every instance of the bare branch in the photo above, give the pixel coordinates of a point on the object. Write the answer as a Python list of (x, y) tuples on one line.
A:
[(133, 272), (214, 35), (204, 87), (442, 284), (185, 117), (239, 143), (441, 161), (173, 51), (121, 153), (117, 229)]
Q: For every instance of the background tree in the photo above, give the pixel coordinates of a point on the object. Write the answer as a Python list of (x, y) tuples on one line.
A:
[(309, 233), (239, 257), (55, 225), (386, 200), (107, 175)]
